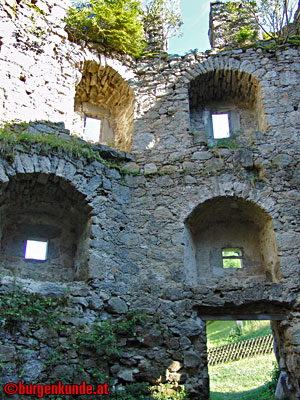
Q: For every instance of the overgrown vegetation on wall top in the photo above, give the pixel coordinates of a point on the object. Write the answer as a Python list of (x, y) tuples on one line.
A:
[(120, 24), (115, 24)]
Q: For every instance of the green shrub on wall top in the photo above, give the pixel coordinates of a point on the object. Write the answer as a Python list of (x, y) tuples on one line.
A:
[(246, 34), (114, 23)]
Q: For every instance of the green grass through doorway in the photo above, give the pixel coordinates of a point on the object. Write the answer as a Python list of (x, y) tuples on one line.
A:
[(220, 333), (247, 379), (242, 380)]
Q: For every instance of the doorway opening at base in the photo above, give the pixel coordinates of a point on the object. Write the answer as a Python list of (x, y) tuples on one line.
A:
[(241, 359)]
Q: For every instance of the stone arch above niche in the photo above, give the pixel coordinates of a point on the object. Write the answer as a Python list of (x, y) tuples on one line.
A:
[(103, 94), (44, 208), (230, 223), (232, 92)]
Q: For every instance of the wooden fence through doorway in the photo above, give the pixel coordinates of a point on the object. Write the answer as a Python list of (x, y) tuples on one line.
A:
[(244, 349)]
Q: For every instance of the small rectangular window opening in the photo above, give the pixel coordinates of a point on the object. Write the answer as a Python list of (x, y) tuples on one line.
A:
[(36, 250), (232, 258), (92, 129), (221, 127)]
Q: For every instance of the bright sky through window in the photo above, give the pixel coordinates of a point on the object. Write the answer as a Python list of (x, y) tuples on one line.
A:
[(36, 250), (220, 126), (92, 129)]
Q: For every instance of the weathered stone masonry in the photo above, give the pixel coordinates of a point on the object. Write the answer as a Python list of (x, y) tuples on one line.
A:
[(150, 241)]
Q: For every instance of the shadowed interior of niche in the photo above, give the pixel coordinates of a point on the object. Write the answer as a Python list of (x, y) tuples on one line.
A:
[(103, 94), (44, 208), (226, 91), (228, 222)]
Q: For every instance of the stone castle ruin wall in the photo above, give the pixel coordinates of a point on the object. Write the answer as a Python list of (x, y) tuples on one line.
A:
[(149, 236)]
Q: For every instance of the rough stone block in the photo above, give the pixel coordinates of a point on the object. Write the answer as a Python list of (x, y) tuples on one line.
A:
[(202, 155), (7, 353), (117, 306), (243, 157), (150, 168)]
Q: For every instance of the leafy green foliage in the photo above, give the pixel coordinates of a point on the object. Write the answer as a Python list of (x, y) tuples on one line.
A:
[(234, 8), (227, 143), (275, 373), (235, 334), (133, 391), (128, 325), (167, 391), (144, 391), (246, 34), (100, 339), (24, 307), (103, 338), (239, 16), (120, 24), (114, 23), (231, 142)]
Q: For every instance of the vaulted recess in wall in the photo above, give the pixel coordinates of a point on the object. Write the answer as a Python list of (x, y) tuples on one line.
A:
[(233, 94), (103, 95), (38, 207), (230, 238)]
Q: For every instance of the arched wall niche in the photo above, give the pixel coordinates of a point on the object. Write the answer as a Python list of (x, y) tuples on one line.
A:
[(103, 94), (44, 208), (230, 223), (233, 92)]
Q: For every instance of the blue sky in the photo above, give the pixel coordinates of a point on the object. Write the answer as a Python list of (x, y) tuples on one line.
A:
[(195, 15)]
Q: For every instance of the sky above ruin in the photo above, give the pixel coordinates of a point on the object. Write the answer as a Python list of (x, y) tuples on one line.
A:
[(195, 15)]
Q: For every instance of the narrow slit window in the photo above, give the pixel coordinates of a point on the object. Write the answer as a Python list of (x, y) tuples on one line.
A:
[(92, 129), (232, 258), (36, 250), (221, 127)]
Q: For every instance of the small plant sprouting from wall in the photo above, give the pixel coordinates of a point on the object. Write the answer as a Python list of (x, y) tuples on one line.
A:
[(227, 143), (246, 35), (28, 313), (103, 338), (19, 307)]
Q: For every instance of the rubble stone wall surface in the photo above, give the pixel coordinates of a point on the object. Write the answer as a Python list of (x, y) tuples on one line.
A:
[(143, 238)]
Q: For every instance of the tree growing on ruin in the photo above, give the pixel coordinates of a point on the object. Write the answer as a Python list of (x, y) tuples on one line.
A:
[(167, 12), (114, 23), (120, 25), (273, 16)]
